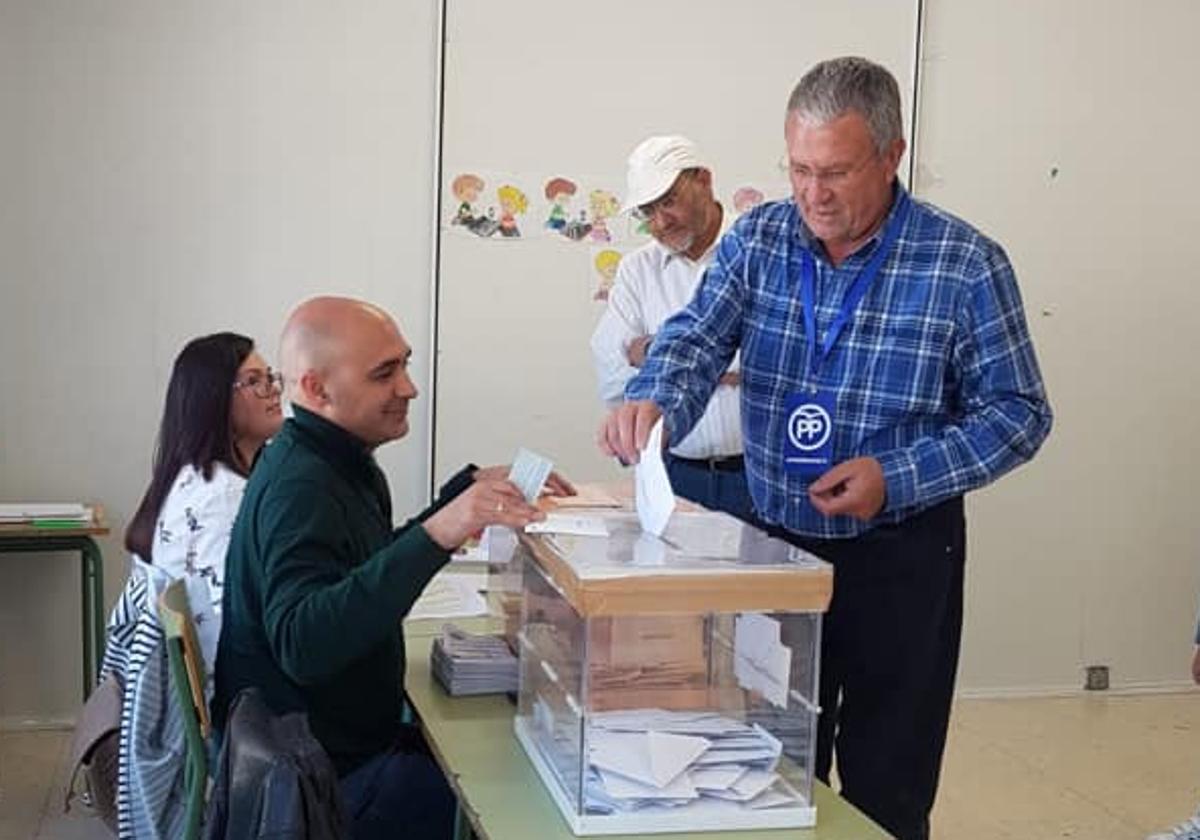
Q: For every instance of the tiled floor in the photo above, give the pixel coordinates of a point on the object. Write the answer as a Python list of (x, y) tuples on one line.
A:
[(1097, 767), (32, 779), (1094, 768)]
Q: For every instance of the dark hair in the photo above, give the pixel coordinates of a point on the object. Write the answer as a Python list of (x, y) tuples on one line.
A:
[(195, 425)]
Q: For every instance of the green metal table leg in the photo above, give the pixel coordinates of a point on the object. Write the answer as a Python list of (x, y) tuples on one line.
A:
[(97, 604), (86, 612), (93, 562), (91, 573)]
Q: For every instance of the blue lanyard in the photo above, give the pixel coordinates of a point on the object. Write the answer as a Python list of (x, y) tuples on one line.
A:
[(854, 294)]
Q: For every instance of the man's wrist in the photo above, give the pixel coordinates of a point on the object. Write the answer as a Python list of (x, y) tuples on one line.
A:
[(899, 479)]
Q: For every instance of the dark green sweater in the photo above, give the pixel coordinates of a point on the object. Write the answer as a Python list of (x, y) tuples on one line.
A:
[(316, 583)]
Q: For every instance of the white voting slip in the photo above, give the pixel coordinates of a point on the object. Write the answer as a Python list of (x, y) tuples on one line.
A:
[(654, 497), (720, 777), (652, 758), (762, 663), (646, 759), (529, 472), (621, 787), (452, 595)]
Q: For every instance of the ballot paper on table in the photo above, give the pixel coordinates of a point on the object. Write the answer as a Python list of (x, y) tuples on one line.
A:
[(451, 595), (529, 472), (467, 663), (654, 497), (21, 512), (472, 551)]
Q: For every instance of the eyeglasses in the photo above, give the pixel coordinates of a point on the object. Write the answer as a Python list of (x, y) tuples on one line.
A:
[(262, 385), (802, 175), (646, 212)]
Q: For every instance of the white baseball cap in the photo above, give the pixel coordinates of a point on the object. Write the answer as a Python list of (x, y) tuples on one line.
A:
[(654, 165)]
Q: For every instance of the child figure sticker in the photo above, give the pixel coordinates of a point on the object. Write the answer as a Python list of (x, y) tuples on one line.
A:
[(808, 436)]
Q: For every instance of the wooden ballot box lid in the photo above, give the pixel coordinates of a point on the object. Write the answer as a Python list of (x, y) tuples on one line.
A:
[(705, 562)]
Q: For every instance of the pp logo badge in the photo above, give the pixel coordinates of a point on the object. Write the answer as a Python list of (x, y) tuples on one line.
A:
[(808, 433), (809, 427)]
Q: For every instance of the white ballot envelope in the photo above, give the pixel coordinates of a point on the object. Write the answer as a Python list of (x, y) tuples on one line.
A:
[(654, 497)]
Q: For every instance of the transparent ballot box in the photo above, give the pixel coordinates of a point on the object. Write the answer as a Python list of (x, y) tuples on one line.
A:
[(670, 684)]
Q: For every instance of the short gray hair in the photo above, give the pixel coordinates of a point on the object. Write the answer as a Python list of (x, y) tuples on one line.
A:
[(838, 85)]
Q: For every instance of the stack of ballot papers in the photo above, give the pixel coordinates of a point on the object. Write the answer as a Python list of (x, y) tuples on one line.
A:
[(651, 758), (466, 663)]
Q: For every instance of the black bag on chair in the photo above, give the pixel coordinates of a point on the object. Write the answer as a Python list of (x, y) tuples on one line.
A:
[(273, 779)]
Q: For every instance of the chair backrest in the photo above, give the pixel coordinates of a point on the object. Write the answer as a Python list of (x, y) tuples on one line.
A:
[(187, 679)]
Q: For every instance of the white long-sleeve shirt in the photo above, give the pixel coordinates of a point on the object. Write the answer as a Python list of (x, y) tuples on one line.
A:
[(652, 284), (194, 526)]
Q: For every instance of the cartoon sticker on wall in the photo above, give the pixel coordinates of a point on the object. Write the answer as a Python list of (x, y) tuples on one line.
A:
[(604, 271), (604, 205), (745, 198), (559, 192), (513, 203), (494, 216), (466, 189), (495, 205)]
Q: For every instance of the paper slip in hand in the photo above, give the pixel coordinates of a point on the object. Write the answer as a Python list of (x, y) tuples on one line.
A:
[(654, 498), (566, 523), (529, 472)]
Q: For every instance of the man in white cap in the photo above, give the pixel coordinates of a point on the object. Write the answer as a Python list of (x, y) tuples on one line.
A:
[(670, 188)]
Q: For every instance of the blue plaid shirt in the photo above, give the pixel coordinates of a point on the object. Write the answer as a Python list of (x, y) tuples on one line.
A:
[(935, 376)]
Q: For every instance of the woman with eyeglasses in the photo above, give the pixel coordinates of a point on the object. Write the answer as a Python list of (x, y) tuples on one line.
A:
[(223, 404)]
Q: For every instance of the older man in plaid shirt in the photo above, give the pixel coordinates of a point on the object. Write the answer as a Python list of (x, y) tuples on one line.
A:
[(887, 369)]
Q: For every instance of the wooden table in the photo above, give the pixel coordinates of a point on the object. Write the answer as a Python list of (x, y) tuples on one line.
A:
[(27, 538), (502, 796)]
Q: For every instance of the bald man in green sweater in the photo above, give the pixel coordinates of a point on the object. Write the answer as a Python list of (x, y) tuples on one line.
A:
[(317, 579)]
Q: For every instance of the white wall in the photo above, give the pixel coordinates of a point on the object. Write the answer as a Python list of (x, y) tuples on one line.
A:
[(531, 90), (167, 169), (170, 169), (1067, 131)]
